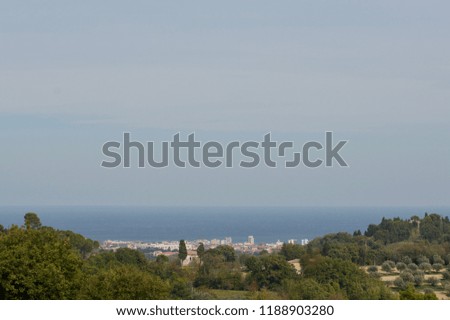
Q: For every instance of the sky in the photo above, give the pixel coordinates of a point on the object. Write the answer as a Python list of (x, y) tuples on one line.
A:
[(76, 75)]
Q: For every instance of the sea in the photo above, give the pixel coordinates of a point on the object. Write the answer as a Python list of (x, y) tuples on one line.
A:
[(154, 224)]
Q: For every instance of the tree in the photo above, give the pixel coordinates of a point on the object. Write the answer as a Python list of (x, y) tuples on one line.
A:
[(219, 270), (182, 251), (162, 259), (400, 283), (407, 276), (412, 266), (400, 266), (32, 221), (131, 257), (418, 277), (386, 267), (125, 282), (422, 259), (347, 278), (372, 269), (269, 271), (200, 250), (411, 294), (77, 241), (308, 289), (437, 259), (38, 264), (433, 281), (227, 252), (292, 251), (425, 266), (437, 266)]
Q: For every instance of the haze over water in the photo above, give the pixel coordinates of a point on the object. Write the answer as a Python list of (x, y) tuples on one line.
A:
[(266, 224)]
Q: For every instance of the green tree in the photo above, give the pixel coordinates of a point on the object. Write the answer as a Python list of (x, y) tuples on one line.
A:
[(200, 250), (292, 251), (437, 259), (32, 221), (182, 251), (227, 252), (216, 272), (125, 282), (437, 266), (131, 257), (308, 289), (84, 245), (425, 266), (400, 266), (347, 278), (38, 264), (372, 269), (386, 267), (433, 281), (269, 271), (411, 294)]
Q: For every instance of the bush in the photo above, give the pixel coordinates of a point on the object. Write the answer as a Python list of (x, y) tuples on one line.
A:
[(428, 291), (446, 275), (437, 259), (386, 267), (433, 281), (425, 266), (447, 289), (437, 266), (447, 259), (391, 263), (406, 260), (372, 269), (422, 259), (407, 276), (412, 266), (399, 283), (418, 277), (400, 266)]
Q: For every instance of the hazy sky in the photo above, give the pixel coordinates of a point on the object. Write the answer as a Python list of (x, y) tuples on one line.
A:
[(75, 75)]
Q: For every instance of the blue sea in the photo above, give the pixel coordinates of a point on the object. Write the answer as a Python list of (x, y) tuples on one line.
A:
[(266, 224)]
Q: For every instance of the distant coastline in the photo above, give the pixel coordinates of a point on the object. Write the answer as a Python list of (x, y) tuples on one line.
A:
[(155, 224)]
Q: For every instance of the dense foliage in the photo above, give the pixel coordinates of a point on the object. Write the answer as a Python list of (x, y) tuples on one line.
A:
[(39, 262)]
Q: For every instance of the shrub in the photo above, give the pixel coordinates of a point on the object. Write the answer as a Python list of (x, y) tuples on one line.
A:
[(418, 277), (412, 266), (399, 283), (422, 259), (406, 260), (400, 266), (433, 281), (446, 275), (372, 269), (407, 276), (437, 266), (386, 267), (437, 259), (425, 266)]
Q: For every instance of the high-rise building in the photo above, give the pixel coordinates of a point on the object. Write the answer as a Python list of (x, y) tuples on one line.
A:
[(251, 240)]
